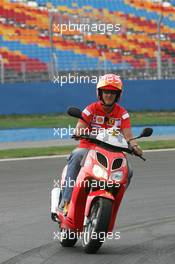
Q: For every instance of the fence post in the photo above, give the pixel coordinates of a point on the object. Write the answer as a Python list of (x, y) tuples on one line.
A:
[(2, 69), (23, 70)]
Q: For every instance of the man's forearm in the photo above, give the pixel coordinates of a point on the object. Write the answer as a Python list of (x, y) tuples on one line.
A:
[(81, 129), (128, 135)]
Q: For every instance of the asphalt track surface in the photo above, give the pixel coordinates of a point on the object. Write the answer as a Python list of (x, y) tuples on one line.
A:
[(146, 219), (62, 142)]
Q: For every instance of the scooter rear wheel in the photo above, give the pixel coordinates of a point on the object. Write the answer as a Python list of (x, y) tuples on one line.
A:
[(97, 224)]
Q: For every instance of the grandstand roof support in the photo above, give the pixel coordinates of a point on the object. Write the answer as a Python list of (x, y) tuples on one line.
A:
[(159, 57), (1, 69), (105, 66), (53, 68), (164, 3)]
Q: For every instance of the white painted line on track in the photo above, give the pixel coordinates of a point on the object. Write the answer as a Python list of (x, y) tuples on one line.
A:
[(159, 150), (64, 156), (35, 158)]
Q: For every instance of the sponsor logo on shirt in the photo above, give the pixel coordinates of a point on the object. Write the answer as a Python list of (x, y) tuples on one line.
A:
[(118, 122), (114, 122), (96, 126), (111, 121), (126, 115), (98, 119), (86, 112)]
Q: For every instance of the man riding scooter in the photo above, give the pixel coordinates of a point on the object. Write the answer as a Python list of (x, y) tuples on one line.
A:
[(105, 113)]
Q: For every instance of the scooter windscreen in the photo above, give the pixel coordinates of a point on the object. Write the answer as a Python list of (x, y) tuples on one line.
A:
[(112, 137)]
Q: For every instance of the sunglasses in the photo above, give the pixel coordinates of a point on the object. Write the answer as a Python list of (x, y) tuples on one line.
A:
[(109, 92)]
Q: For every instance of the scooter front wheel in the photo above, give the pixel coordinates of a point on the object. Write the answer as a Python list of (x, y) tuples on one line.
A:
[(95, 230), (68, 238)]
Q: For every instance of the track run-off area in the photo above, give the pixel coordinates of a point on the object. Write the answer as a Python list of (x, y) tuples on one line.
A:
[(146, 219)]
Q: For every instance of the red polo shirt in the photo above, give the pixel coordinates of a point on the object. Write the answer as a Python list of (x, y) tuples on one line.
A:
[(98, 118)]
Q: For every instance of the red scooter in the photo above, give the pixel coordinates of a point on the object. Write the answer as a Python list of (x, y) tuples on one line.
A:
[(97, 192)]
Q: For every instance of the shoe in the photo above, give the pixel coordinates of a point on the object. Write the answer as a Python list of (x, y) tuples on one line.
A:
[(61, 205), (64, 207)]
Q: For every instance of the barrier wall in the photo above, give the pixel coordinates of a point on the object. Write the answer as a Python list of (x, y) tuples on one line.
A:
[(30, 98)]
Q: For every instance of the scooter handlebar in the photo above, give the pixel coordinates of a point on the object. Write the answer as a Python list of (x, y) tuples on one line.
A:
[(141, 157), (130, 150), (80, 137)]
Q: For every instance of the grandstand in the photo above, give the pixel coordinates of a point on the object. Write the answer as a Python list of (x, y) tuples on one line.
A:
[(33, 48)]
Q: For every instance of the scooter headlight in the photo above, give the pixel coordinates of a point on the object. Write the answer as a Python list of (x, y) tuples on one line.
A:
[(117, 176), (99, 172)]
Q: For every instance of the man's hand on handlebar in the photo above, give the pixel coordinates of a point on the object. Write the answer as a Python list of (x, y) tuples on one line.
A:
[(137, 150)]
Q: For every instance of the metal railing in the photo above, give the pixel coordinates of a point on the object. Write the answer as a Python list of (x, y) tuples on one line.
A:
[(24, 72)]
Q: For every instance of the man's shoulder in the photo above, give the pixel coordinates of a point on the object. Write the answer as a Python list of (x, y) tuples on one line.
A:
[(122, 112), (121, 108), (93, 106)]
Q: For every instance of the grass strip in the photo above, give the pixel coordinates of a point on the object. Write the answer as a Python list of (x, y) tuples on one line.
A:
[(63, 120), (48, 151)]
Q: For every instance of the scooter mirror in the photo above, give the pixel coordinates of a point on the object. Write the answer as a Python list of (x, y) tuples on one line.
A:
[(147, 132), (75, 112)]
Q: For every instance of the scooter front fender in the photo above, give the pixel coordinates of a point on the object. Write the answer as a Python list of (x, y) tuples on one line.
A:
[(94, 195)]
